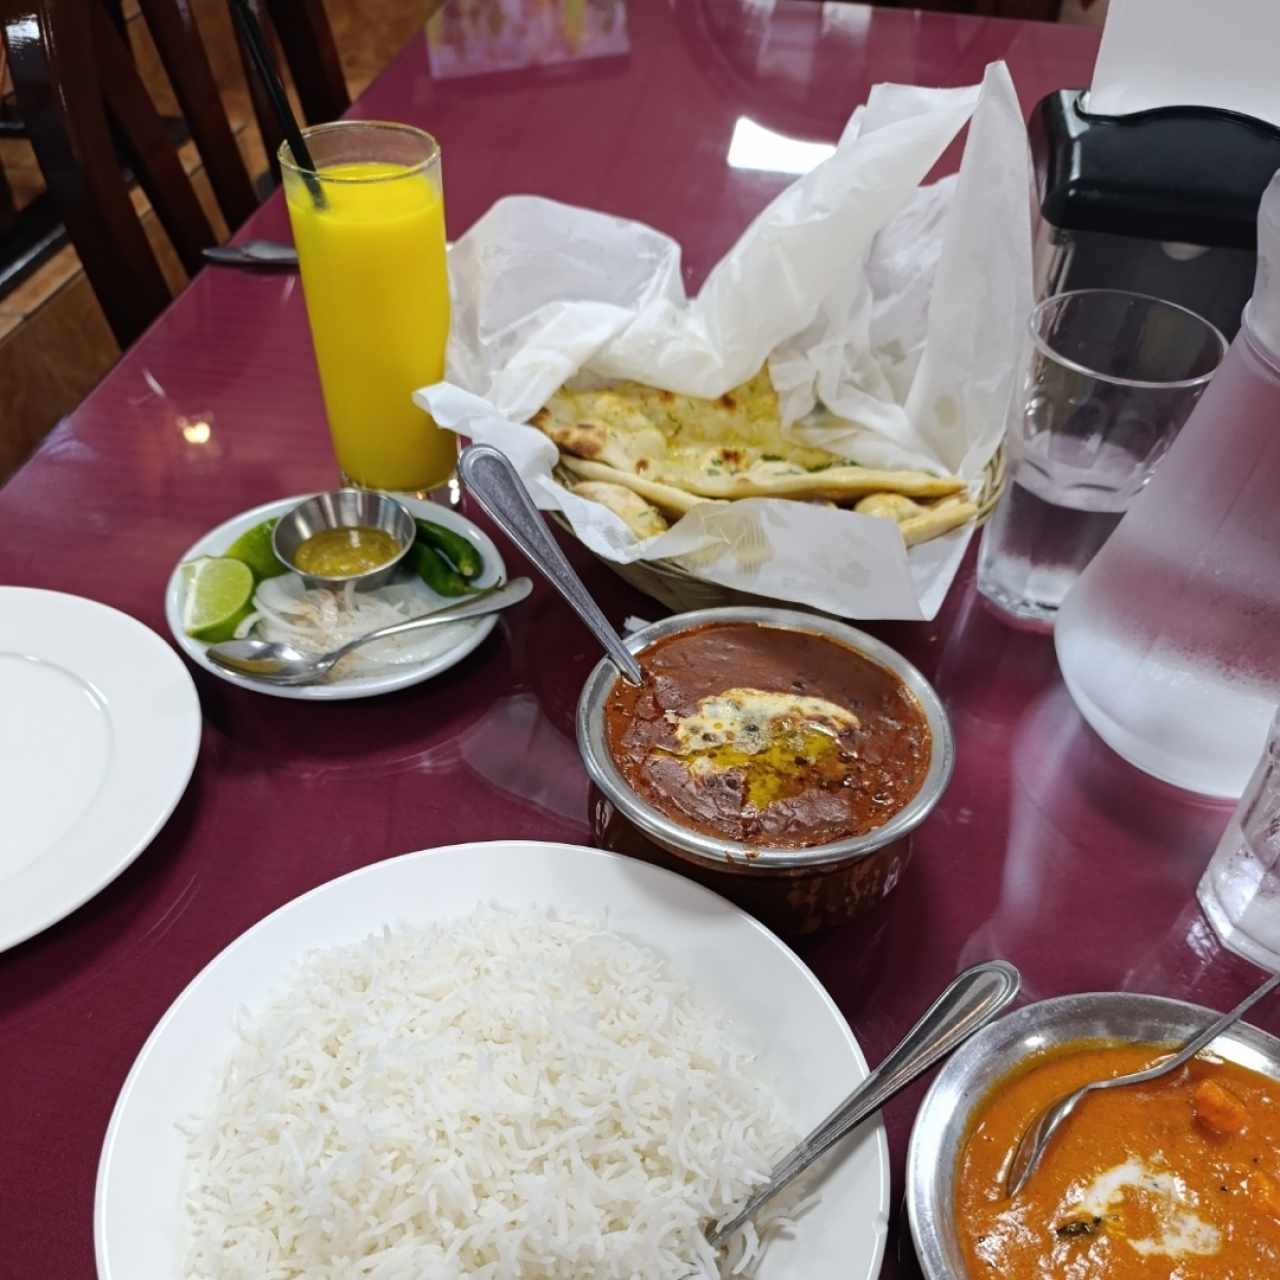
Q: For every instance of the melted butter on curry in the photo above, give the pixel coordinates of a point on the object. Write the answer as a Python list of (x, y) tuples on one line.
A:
[(1175, 1180), (776, 740)]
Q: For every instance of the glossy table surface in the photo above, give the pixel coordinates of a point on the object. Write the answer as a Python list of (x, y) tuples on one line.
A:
[(1046, 849)]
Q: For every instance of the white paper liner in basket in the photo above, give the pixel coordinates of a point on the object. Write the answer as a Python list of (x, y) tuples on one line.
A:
[(897, 306)]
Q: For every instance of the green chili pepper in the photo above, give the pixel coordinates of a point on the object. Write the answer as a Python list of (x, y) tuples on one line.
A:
[(436, 572), (453, 546)]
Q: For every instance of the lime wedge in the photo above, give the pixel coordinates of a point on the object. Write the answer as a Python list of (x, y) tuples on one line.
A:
[(254, 547), (219, 592)]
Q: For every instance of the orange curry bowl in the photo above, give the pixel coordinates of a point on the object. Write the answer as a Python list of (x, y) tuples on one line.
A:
[(1177, 1177)]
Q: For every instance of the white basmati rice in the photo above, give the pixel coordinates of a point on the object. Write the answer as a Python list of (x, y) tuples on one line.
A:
[(503, 1097)]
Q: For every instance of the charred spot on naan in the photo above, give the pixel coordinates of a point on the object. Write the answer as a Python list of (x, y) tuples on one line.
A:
[(586, 439)]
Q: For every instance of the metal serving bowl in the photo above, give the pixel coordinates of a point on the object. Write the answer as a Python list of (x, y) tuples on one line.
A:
[(946, 1115), (344, 509), (795, 890)]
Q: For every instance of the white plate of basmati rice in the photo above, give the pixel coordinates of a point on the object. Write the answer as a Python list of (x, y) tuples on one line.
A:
[(507, 1061)]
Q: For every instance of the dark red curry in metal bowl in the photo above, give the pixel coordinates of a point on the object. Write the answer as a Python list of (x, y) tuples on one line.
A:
[(783, 757), (768, 736)]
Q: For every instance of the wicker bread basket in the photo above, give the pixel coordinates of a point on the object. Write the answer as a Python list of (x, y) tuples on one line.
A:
[(681, 591)]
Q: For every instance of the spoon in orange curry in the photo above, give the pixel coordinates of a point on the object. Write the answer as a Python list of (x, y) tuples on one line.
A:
[(1035, 1141)]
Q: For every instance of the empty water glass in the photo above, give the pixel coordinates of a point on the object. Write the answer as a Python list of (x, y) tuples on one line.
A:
[(1110, 377), (1240, 890)]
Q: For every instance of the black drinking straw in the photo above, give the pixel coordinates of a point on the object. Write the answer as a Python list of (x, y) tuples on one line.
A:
[(251, 32)]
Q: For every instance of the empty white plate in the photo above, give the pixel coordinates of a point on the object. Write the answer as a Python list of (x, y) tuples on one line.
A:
[(99, 730), (778, 1006)]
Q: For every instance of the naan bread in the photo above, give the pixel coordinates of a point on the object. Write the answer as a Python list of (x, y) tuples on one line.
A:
[(732, 447), (919, 521), (668, 499), (643, 519), (652, 456)]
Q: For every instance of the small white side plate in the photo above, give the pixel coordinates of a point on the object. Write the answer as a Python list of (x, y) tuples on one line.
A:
[(365, 685), (778, 1006), (99, 730)]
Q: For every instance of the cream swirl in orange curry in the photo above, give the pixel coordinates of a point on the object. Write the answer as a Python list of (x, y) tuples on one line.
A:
[(777, 738)]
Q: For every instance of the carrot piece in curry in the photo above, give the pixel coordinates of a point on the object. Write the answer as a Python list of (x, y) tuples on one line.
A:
[(1264, 1193), (1218, 1109)]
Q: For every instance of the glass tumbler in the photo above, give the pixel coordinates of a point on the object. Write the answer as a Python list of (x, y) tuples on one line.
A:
[(368, 223), (1109, 379), (1240, 889)]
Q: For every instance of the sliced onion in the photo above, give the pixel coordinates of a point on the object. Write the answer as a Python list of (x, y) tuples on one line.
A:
[(316, 620)]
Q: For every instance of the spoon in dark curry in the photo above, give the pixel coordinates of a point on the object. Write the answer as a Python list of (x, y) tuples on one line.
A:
[(1035, 1141), (499, 490)]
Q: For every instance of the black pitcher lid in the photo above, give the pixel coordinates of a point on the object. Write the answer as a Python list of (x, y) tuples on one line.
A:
[(1193, 174)]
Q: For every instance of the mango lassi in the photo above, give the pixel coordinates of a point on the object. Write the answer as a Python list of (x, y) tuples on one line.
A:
[(373, 268)]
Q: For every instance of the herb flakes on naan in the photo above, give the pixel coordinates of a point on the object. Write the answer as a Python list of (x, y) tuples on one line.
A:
[(641, 517)]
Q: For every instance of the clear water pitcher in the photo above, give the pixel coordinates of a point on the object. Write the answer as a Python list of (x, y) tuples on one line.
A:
[(1170, 641)]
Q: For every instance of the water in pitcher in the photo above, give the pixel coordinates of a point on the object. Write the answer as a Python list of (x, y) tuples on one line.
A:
[(1170, 642)]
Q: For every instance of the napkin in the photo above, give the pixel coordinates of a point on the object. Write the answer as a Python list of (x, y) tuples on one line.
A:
[(890, 314), (1172, 53)]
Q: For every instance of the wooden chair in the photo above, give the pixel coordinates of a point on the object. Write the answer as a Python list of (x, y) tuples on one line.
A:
[(85, 107)]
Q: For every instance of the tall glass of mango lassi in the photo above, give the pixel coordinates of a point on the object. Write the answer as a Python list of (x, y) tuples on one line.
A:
[(368, 222)]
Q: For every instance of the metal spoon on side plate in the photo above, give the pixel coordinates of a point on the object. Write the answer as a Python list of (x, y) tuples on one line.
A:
[(966, 1006), (1035, 1140), (276, 663), (499, 490)]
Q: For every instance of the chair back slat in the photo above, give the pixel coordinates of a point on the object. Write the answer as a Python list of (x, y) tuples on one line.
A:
[(268, 126), (181, 47), (55, 75), (158, 168), (312, 57), (300, 30)]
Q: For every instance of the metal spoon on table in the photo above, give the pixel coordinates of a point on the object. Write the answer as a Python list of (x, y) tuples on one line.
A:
[(967, 1005), (253, 253), (258, 253), (276, 663), (1035, 1140), (500, 491)]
